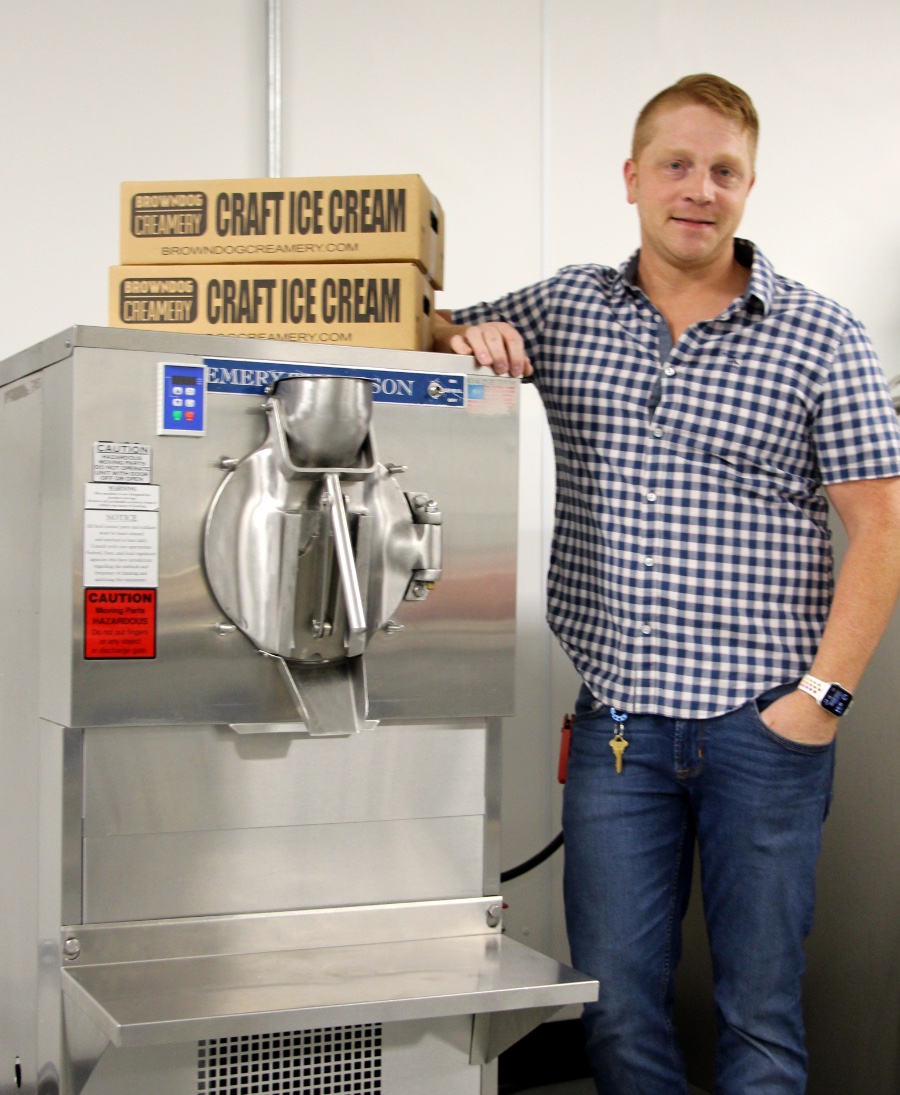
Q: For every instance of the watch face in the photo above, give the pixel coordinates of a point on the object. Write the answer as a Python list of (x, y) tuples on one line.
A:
[(836, 700)]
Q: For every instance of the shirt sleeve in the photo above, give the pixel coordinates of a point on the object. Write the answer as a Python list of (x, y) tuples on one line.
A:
[(856, 430), (526, 309)]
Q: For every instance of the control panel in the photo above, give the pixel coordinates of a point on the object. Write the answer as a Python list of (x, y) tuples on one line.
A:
[(181, 401)]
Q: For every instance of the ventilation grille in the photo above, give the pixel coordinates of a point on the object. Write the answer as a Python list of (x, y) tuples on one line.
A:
[(333, 1061)]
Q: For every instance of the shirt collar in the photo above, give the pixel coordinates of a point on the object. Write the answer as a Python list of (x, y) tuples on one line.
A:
[(760, 288)]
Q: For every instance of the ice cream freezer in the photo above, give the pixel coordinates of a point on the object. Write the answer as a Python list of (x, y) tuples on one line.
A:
[(257, 628)]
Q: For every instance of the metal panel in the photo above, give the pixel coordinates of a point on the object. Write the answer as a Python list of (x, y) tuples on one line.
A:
[(20, 540), (310, 866), (300, 929), (171, 779)]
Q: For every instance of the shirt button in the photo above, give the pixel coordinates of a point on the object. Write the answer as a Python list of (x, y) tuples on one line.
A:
[(648, 561), (657, 432), (646, 630), (651, 496), (669, 371)]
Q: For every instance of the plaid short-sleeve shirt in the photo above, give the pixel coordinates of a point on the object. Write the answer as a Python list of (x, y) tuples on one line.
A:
[(691, 567)]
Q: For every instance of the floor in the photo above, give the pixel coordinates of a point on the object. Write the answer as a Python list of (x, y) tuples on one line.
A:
[(575, 1087), (579, 1087)]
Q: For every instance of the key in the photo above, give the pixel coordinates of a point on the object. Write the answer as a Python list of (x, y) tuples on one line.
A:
[(618, 744)]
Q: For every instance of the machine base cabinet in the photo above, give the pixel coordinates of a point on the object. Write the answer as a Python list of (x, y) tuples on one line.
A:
[(366, 1059), (257, 620)]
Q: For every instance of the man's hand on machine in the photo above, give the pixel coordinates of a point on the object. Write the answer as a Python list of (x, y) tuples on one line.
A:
[(496, 345)]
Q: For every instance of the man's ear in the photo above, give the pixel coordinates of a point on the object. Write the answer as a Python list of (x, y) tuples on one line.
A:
[(630, 173)]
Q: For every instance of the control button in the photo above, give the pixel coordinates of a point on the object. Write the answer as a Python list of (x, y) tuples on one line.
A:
[(176, 415), (177, 402), (189, 415), (190, 391), (178, 390), (190, 403)]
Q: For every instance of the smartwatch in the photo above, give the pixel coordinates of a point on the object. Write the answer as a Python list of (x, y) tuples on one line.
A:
[(833, 697)]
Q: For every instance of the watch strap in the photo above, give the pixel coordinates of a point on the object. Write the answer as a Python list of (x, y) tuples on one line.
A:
[(814, 687)]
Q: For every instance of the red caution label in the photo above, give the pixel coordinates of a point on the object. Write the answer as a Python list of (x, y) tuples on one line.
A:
[(120, 623)]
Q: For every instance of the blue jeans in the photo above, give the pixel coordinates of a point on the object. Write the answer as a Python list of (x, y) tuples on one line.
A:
[(754, 804)]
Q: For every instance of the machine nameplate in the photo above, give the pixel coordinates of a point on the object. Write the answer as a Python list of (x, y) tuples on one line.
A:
[(388, 386)]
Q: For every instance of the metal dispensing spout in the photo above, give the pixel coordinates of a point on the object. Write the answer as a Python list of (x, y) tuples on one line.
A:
[(320, 426)]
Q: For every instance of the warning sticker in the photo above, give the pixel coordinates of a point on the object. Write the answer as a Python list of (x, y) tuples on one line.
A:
[(121, 496), (120, 623)]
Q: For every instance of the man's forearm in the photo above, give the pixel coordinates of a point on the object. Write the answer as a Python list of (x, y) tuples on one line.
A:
[(864, 599), (868, 584)]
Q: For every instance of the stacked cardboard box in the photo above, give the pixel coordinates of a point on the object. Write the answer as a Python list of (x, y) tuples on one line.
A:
[(349, 260)]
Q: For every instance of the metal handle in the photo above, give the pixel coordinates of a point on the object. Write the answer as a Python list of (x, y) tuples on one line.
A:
[(356, 616)]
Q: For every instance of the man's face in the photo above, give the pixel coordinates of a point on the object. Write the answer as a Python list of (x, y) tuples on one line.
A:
[(690, 183)]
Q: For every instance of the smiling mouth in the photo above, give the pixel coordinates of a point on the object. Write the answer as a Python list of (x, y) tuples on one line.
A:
[(694, 223)]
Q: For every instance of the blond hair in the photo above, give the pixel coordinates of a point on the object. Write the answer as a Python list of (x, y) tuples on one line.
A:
[(707, 90)]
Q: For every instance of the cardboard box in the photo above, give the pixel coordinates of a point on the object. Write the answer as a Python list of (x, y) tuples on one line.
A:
[(367, 218), (366, 304)]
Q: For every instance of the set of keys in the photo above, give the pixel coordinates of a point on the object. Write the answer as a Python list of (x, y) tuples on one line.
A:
[(617, 743)]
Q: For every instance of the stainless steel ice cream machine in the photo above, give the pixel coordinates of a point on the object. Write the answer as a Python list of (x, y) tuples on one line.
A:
[(257, 606)]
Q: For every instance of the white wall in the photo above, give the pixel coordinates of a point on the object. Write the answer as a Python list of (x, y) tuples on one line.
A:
[(518, 115)]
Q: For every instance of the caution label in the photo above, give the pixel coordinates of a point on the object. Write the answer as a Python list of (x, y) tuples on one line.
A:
[(121, 462), (119, 623)]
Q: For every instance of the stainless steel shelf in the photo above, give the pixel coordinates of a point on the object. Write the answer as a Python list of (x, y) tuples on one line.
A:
[(178, 1000)]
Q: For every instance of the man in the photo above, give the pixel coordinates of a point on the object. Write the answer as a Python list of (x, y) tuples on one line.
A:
[(698, 401)]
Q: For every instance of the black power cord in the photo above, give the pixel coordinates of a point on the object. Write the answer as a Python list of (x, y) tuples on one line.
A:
[(535, 861)]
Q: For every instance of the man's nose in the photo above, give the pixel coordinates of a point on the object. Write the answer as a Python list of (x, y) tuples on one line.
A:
[(701, 189)]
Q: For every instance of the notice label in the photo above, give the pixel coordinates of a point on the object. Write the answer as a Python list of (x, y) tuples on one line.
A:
[(121, 462), (121, 548), (120, 623)]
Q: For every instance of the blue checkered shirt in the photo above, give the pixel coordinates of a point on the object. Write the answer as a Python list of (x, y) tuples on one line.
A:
[(691, 567)]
